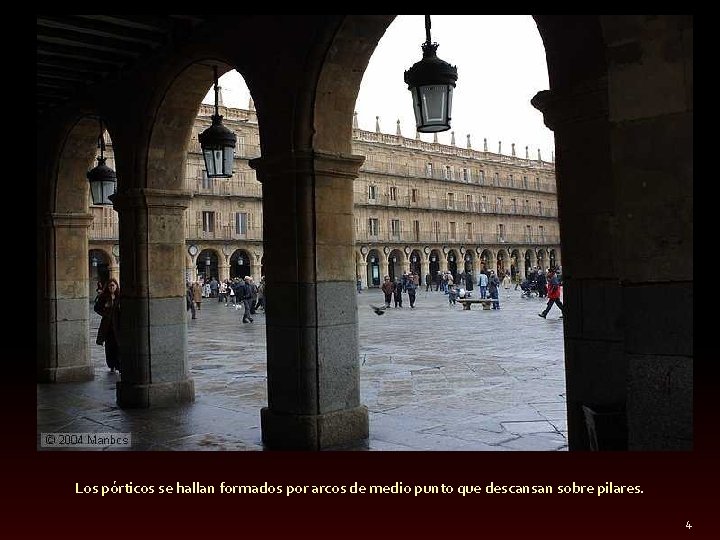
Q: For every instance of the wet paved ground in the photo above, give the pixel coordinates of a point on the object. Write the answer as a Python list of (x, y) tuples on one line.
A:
[(433, 378)]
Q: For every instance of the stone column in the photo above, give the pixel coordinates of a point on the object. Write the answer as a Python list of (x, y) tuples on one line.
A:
[(362, 272), (424, 268), (153, 344), (63, 330), (223, 270), (384, 267), (312, 327)]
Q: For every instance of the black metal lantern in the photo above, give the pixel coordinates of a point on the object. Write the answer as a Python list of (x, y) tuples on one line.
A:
[(218, 144), (431, 82), (102, 178)]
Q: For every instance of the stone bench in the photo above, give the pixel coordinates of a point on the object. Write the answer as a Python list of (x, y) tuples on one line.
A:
[(467, 302)]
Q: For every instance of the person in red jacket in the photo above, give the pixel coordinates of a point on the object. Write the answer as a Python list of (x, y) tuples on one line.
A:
[(553, 292)]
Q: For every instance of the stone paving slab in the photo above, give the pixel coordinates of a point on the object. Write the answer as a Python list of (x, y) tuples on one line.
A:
[(433, 378)]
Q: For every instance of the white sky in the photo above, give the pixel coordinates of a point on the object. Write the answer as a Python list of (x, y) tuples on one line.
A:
[(501, 65)]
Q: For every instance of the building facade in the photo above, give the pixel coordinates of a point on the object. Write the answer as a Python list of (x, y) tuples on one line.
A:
[(418, 206)]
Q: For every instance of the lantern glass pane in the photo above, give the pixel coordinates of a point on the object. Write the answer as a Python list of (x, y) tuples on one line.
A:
[(209, 162), (228, 163), (416, 106), (434, 105), (218, 162)]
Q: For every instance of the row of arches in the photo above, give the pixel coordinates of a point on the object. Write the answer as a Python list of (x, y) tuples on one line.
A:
[(204, 265), (376, 263)]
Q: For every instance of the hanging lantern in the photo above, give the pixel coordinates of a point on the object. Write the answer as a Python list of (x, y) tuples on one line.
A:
[(102, 178), (218, 144), (431, 82)]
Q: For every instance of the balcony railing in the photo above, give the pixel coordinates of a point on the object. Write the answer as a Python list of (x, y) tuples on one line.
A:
[(441, 203), (406, 170), (225, 232), (361, 235), (100, 230), (227, 187)]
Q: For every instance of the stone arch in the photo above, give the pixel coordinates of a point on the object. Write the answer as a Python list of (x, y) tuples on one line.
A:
[(69, 149), (241, 264), (416, 259)]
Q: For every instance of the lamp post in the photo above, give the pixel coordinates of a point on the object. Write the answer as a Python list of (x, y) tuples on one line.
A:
[(431, 82), (218, 143), (102, 178), (207, 267)]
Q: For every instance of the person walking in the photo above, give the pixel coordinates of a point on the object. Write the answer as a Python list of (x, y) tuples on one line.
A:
[(411, 291), (197, 294), (246, 295), (397, 293), (387, 288), (428, 282), (506, 281), (493, 289), (107, 305), (553, 293), (189, 302)]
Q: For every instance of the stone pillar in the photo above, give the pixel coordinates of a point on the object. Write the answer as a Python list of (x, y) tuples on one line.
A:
[(362, 272), (596, 369), (384, 270), (424, 268), (153, 344), (312, 327), (223, 270), (63, 344)]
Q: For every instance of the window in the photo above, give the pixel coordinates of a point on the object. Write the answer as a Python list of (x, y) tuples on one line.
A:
[(393, 193), (208, 222), (241, 222), (372, 192), (466, 175), (468, 231), (413, 195), (496, 179), (525, 182), (501, 232), (453, 230), (468, 202), (513, 204), (395, 228), (540, 210), (528, 233), (510, 179), (451, 200), (526, 207), (373, 226), (537, 183), (416, 229), (428, 170), (436, 230), (541, 233), (481, 178), (207, 183), (483, 204), (498, 204)]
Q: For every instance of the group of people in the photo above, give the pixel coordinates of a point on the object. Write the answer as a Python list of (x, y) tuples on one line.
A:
[(235, 292), (393, 290), (488, 283)]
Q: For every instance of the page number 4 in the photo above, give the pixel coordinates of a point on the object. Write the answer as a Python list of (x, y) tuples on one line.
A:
[(688, 525)]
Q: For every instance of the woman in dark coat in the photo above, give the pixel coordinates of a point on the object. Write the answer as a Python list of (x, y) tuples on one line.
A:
[(107, 306)]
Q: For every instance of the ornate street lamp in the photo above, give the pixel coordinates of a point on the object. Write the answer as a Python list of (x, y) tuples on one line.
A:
[(431, 82), (102, 178), (218, 143)]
